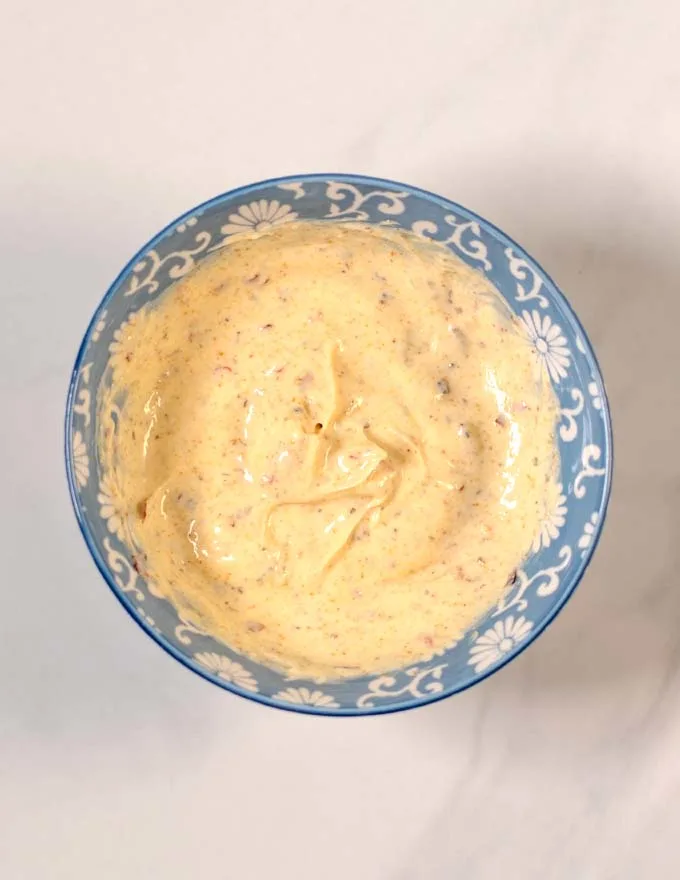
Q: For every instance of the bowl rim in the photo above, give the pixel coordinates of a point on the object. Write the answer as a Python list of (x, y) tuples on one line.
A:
[(348, 712)]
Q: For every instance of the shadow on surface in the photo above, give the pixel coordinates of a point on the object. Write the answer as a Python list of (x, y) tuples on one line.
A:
[(613, 250), (615, 256), (74, 666)]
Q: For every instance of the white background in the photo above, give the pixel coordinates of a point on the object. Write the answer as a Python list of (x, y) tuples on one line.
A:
[(559, 122)]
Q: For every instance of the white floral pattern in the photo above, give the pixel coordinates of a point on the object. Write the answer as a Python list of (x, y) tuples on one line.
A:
[(465, 237), (418, 681), (259, 215), (185, 627), (497, 641), (560, 351), (544, 582), (304, 697), (295, 187), (118, 342), (549, 343), (589, 454), (340, 191), (524, 272), (551, 525), (81, 462), (108, 509), (595, 395), (83, 399), (228, 670), (124, 573), (589, 530), (145, 273), (99, 326), (187, 224), (568, 414), (149, 620)]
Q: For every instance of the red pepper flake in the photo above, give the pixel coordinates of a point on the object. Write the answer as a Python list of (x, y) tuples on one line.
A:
[(501, 421)]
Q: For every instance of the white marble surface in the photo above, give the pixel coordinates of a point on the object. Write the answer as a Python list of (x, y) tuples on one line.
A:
[(558, 121)]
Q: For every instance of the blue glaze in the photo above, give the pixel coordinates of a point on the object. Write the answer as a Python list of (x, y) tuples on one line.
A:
[(549, 575)]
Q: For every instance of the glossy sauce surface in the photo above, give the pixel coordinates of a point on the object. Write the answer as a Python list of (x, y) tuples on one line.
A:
[(335, 447)]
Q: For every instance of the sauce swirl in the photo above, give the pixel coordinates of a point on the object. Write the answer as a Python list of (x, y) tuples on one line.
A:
[(335, 446)]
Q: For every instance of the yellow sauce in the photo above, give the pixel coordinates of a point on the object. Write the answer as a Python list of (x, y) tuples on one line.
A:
[(335, 447)]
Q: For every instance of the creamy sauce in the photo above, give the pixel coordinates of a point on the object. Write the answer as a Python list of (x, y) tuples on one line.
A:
[(334, 447)]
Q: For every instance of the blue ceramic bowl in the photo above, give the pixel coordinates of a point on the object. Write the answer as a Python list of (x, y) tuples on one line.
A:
[(560, 553)]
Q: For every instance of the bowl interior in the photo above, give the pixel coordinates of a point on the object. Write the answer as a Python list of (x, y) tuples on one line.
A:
[(567, 540)]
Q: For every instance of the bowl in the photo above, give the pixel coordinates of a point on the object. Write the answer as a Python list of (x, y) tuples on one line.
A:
[(560, 553)]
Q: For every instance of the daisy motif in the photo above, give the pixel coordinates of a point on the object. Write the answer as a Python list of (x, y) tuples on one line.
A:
[(227, 669), (81, 463), (99, 326), (304, 697), (551, 525), (492, 645), (258, 216), (549, 343), (108, 509), (589, 528)]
